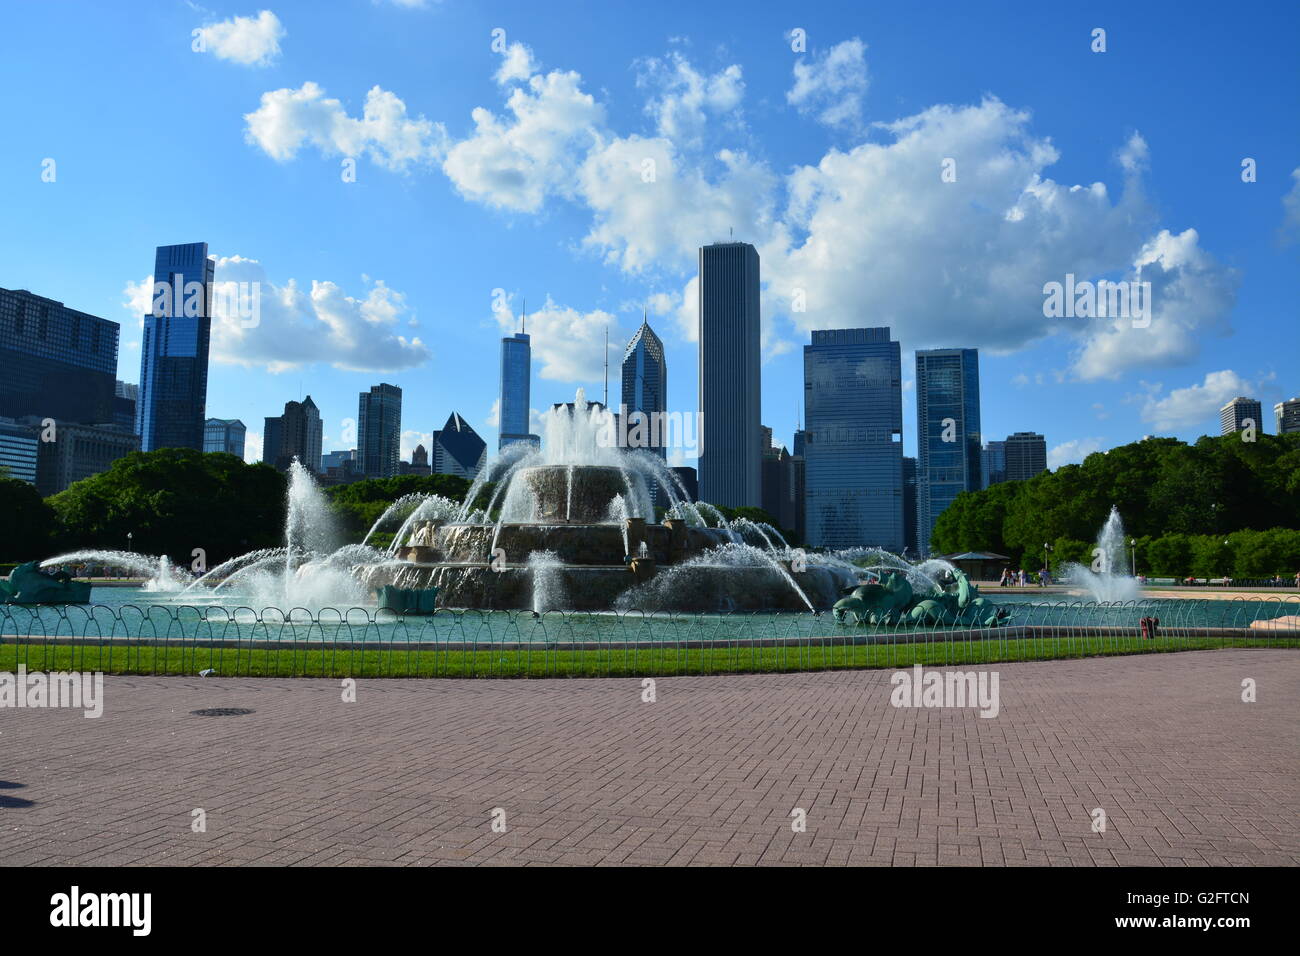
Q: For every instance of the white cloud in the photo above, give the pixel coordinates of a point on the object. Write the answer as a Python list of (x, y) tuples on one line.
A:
[(252, 446), (249, 41), (287, 119), (516, 162), (516, 64), (871, 231), (687, 101), (1190, 294), (410, 438), (832, 86), (493, 419), (1072, 452), (296, 328), (1195, 404), (568, 344)]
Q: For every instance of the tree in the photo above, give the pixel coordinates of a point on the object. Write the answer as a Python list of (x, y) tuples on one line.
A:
[(27, 523), (175, 500)]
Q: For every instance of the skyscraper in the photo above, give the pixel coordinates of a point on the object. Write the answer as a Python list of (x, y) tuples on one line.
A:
[(645, 388), (1234, 415), (458, 449), (948, 433), (174, 350), (379, 431), (55, 362), (297, 434), (994, 466), (1287, 416), (730, 386), (227, 435), (516, 375), (853, 439), (909, 505), (1026, 455)]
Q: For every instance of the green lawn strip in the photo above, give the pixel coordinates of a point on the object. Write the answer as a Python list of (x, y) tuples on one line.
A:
[(414, 661)]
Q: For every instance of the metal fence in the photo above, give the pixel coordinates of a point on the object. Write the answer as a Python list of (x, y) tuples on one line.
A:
[(360, 642)]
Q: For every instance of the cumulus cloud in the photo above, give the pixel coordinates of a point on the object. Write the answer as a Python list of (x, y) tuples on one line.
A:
[(870, 231), (1195, 404), (1190, 294), (832, 86), (515, 162), (252, 447), (685, 100), (292, 327), (516, 64), (1072, 452), (249, 41), (568, 344), (287, 119)]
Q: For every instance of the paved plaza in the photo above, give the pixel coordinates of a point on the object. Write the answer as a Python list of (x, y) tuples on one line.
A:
[(585, 772)]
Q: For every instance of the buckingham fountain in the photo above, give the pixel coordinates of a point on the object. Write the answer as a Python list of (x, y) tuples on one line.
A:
[(577, 523)]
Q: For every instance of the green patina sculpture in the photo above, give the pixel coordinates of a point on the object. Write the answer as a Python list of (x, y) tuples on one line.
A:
[(28, 584), (892, 601)]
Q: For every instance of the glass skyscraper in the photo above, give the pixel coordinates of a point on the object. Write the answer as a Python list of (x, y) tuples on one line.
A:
[(224, 434), (730, 386), (174, 350), (645, 387), (949, 453), (516, 374), (379, 432), (55, 362), (853, 440)]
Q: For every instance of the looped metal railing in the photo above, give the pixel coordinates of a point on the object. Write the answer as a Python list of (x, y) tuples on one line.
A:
[(364, 642)]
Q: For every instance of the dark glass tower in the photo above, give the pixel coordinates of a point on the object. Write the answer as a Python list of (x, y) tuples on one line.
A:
[(645, 387), (379, 432), (949, 453), (174, 350), (730, 387), (55, 362), (853, 440)]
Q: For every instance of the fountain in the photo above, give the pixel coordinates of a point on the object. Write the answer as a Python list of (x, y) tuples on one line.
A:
[(571, 525), (1106, 581)]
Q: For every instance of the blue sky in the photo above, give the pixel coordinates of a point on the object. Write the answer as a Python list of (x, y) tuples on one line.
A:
[(524, 169)]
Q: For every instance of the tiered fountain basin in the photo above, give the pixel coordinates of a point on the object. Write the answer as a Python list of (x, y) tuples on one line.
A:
[(570, 541)]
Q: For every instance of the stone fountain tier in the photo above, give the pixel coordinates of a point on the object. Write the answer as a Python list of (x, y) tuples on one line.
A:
[(600, 588), (578, 494), (572, 544)]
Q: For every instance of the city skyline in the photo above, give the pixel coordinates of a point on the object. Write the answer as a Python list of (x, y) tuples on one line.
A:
[(599, 251)]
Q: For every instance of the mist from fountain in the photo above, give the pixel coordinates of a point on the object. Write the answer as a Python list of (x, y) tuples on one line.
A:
[(1109, 583), (158, 572)]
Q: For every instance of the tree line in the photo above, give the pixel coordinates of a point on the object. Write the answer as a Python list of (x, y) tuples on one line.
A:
[(1219, 506)]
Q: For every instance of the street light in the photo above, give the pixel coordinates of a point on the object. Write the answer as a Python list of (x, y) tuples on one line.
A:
[(129, 546), (1133, 557)]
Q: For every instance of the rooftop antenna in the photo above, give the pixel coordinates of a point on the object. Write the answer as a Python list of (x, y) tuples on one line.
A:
[(523, 318), (607, 365)]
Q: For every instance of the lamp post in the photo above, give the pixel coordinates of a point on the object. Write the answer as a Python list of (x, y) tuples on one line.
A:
[(1133, 557), (129, 546)]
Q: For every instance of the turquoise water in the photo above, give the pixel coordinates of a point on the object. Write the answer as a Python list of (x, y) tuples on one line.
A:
[(124, 613)]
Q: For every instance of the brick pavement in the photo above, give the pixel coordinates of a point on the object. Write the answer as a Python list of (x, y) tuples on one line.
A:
[(708, 774)]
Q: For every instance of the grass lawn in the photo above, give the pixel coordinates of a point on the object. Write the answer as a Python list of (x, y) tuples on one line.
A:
[(414, 661)]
